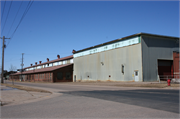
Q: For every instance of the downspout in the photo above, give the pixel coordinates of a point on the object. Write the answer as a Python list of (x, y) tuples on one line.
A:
[(140, 40)]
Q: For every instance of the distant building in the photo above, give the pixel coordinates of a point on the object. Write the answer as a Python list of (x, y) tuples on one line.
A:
[(140, 57), (59, 70)]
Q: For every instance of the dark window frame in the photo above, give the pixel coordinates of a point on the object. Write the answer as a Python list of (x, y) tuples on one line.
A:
[(122, 69)]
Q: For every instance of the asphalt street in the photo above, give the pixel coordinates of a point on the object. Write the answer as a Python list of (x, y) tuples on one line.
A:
[(99, 102), (167, 100)]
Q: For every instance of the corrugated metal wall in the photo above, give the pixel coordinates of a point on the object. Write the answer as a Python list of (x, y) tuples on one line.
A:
[(100, 65), (176, 64), (154, 48)]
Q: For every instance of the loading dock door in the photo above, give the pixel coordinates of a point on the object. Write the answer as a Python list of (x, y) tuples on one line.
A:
[(165, 69)]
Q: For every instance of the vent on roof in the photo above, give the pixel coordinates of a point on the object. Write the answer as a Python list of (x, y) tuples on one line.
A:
[(47, 59), (31, 64), (40, 62), (58, 56), (73, 51), (36, 63)]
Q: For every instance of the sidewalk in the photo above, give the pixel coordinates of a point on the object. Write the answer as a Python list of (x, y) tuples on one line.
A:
[(13, 96)]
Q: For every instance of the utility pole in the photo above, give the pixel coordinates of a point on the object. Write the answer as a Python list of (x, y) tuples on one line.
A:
[(2, 69), (22, 67)]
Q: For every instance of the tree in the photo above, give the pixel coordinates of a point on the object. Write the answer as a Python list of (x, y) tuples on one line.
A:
[(12, 68)]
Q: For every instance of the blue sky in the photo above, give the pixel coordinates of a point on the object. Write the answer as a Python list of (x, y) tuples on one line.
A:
[(58, 27)]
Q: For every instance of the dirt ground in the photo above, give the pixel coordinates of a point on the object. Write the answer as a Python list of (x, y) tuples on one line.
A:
[(25, 88), (127, 84), (162, 84)]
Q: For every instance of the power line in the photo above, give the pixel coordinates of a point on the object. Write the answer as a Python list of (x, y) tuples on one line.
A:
[(7, 17), (25, 12), (15, 18), (3, 10)]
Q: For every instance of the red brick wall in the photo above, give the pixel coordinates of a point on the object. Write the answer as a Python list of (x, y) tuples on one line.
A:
[(49, 76), (176, 64), (14, 77), (41, 77)]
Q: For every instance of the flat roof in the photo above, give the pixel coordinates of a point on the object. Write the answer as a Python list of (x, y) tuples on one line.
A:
[(134, 35)]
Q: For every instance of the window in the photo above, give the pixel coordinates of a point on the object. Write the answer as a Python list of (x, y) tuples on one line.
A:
[(59, 75), (50, 76), (122, 69), (136, 73), (38, 67), (68, 61), (60, 63), (36, 76), (71, 61), (55, 63), (47, 76), (68, 75), (42, 76), (64, 62), (32, 76), (50, 65)]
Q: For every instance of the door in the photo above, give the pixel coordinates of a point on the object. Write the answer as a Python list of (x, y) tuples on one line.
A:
[(165, 69), (136, 75)]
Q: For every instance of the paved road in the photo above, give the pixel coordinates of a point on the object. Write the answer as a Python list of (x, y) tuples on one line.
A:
[(99, 102)]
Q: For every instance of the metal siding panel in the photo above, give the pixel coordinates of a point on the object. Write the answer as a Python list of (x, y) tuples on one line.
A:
[(152, 49), (91, 65)]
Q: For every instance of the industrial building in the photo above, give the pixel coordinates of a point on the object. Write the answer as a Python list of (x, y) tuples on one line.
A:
[(58, 70), (140, 57)]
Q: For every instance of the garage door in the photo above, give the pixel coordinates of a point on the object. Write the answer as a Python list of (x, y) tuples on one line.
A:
[(165, 69)]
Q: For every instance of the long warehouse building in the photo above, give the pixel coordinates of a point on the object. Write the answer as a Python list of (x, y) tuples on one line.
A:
[(58, 70)]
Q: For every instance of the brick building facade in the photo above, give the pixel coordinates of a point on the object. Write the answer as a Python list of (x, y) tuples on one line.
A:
[(59, 70)]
